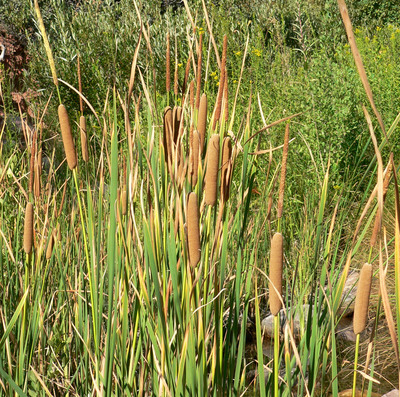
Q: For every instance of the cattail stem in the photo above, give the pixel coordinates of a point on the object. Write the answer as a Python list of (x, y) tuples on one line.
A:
[(276, 354), (355, 365)]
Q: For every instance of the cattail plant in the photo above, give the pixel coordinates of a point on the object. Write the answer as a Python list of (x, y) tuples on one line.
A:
[(202, 121), (211, 179), (28, 228), (66, 133), (124, 201), (191, 95), (84, 145), (193, 230), (226, 168), (361, 311)]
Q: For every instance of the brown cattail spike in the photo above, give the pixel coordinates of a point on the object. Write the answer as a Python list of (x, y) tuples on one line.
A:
[(191, 94), (275, 274), (226, 168), (84, 145), (194, 159), (362, 299), (193, 230), (202, 121), (283, 171), (66, 133), (211, 178), (50, 243), (28, 228)]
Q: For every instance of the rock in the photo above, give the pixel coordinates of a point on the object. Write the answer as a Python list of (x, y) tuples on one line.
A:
[(300, 317), (344, 330), (349, 294), (393, 393)]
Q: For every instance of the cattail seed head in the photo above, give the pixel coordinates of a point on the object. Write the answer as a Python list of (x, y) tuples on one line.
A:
[(66, 133), (84, 145), (226, 165), (362, 299), (202, 121), (193, 230), (211, 179), (28, 228), (275, 273)]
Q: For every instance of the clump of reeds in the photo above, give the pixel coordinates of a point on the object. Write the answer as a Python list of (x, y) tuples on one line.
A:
[(66, 133), (275, 274), (211, 179), (28, 228), (193, 229), (202, 121), (84, 145)]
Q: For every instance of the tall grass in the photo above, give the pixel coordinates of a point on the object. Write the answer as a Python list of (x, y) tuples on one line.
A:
[(153, 281)]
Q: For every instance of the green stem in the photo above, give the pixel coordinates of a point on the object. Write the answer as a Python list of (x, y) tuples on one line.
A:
[(355, 365), (276, 355)]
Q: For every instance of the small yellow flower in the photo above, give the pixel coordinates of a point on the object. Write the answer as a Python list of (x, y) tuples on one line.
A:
[(215, 77), (238, 53), (356, 31), (336, 187), (179, 65), (378, 28), (235, 81), (218, 84), (213, 74)]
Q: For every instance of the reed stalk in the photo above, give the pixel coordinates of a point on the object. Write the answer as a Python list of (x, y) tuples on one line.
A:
[(202, 121), (84, 143)]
